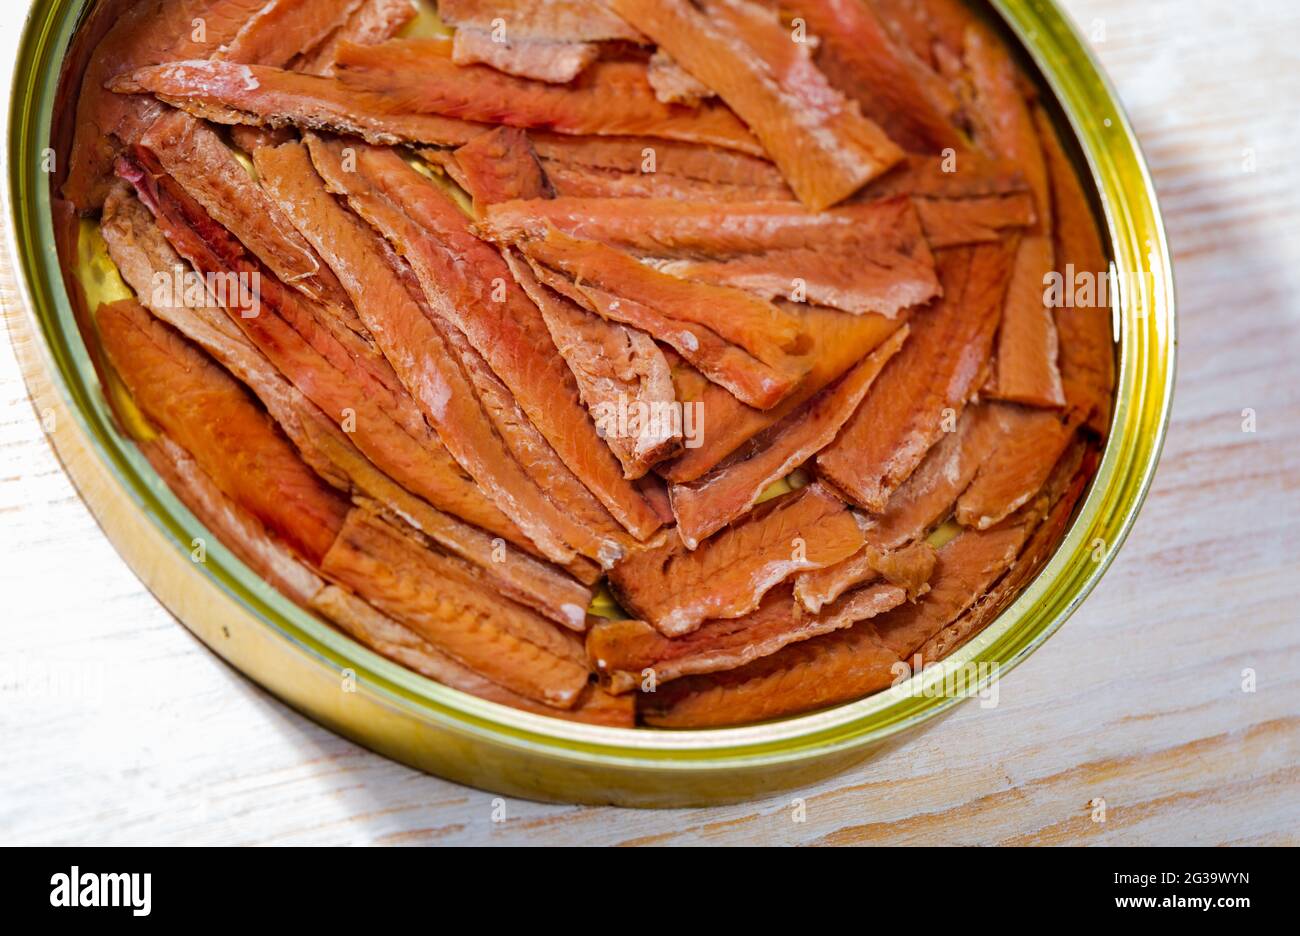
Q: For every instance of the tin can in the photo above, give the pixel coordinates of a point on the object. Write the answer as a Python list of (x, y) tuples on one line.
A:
[(395, 712)]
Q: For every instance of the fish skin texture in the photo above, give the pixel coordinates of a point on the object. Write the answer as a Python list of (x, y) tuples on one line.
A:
[(622, 651), (147, 33), (835, 341), (389, 428), (259, 95), (460, 275), (578, 20), (676, 589), (965, 567), (860, 258), (537, 59), (929, 493), (611, 97), (141, 251), (285, 29), (959, 222), (677, 312), (433, 376), (704, 506), (1087, 350), (1029, 442), (445, 602), (1059, 507), (374, 21), (909, 568), (898, 92), (405, 646), (499, 166), (192, 154), (824, 146), (934, 375), (615, 367), (211, 417), (804, 676), (1027, 344)]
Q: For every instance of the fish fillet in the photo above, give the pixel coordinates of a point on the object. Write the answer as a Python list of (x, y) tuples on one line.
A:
[(676, 589), (926, 384), (704, 506), (629, 653), (611, 97), (823, 145)]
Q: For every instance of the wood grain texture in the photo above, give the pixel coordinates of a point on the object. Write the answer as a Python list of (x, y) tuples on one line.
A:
[(119, 727)]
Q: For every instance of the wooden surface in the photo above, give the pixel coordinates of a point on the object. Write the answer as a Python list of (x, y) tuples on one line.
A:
[(119, 727)]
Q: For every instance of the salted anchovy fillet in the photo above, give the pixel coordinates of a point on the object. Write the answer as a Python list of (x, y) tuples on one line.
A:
[(468, 284), (933, 29), (674, 84), (475, 415), (192, 154), (1029, 442), (956, 222), (146, 34), (349, 386), (1087, 352), (228, 93), (928, 495), (141, 253), (676, 590), (968, 174), (433, 374), (934, 375), (704, 506), (209, 415), (619, 371), (238, 530), (284, 29), (373, 21), (629, 653), (610, 97), (500, 166), (1059, 497), (447, 603), (1027, 370), (808, 675), (762, 329), (908, 568), (1004, 126), (250, 139), (861, 258), (1027, 346), (578, 181), (537, 59), (965, 568), (577, 20), (733, 338), (655, 157), (623, 377), (824, 146), (644, 167), (835, 341), (405, 646), (856, 52), (562, 263)]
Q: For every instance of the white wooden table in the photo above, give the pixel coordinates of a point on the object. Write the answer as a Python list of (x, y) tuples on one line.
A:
[(118, 726)]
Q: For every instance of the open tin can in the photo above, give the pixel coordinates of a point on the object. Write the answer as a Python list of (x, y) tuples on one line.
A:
[(400, 714)]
